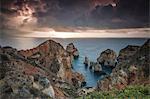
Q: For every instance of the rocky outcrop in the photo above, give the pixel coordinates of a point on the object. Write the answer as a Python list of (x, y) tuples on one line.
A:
[(78, 80), (49, 55), (72, 50), (49, 60), (116, 80), (134, 71), (126, 53), (107, 58), (20, 80), (85, 91), (95, 66), (53, 57)]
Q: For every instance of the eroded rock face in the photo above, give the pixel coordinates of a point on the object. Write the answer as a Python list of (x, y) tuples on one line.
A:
[(72, 50), (107, 58), (126, 53), (49, 54), (41, 82), (49, 60), (116, 80), (134, 71), (18, 78), (52, 56), (78, 79)]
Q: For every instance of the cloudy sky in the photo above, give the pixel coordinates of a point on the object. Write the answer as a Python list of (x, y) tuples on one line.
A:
[(36, 16)]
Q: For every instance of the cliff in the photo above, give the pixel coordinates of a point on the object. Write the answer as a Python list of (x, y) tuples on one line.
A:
[(44, 71), (132, 69)]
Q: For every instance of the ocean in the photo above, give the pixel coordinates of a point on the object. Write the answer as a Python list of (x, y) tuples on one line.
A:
[(90, 47)]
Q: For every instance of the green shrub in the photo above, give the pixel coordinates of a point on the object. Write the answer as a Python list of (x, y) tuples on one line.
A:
[(130, 92)]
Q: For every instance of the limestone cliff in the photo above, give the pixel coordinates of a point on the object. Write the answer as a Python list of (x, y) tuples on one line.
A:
[(43, 71), (126, 53), (52, 56), (133, 68)]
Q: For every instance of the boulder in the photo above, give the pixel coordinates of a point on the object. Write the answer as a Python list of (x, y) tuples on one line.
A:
[(85, 91), (41, 82), (86, 61), (44, 82), (108, 58), (49, 91), (37, 86)]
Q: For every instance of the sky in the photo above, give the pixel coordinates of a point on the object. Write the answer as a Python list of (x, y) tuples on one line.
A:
[(24, 17)]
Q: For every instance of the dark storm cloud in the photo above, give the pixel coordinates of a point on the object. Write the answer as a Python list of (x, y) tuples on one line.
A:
[(134, 11), (75, 13)]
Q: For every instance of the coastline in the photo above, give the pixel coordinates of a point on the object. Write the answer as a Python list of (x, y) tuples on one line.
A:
[(31, 54)]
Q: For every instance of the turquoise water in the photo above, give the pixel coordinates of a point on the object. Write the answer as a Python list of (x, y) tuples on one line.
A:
[(87, 47)]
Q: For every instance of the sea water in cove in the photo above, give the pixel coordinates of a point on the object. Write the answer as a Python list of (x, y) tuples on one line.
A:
[(87, 47)]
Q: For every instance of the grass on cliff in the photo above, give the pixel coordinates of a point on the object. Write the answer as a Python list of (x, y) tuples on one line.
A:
[(131, 92)]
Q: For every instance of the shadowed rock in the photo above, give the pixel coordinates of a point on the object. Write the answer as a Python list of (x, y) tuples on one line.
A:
[(86, 61), (126, 53)]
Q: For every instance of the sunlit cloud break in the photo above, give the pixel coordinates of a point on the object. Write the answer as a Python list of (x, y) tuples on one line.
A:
[(110, 33)]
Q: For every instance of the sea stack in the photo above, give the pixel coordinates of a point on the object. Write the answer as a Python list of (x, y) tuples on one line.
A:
[(86, 61), (72, 50), (95, 66), (108, 58)]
